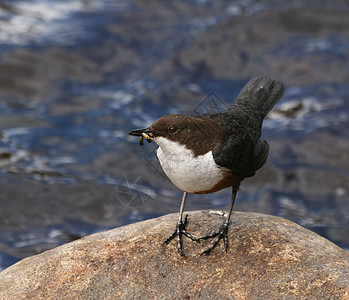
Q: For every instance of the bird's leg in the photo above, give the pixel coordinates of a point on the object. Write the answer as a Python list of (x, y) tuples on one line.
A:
[(180, 228), (222, 233)]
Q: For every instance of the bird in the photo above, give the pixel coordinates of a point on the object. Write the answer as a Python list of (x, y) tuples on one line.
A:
[(204, 154)]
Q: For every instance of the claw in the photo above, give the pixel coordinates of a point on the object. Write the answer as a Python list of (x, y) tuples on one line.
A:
[(221, 234), (179, 231)]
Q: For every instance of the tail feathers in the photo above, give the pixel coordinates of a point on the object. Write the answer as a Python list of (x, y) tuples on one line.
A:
[(261, 94)]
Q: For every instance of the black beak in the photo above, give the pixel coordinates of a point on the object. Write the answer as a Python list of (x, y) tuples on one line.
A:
[(138, 132), (144, 133)]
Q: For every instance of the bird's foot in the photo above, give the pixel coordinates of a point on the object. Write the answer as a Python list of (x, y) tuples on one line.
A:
[(179, 231), (221, 234)]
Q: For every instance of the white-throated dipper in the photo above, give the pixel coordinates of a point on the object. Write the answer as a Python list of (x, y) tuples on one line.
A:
[(211, 152)]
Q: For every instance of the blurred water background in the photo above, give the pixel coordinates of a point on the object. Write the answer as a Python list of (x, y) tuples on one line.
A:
[(76, 75)]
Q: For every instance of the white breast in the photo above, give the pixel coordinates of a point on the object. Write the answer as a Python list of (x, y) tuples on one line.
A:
[(189, 173)]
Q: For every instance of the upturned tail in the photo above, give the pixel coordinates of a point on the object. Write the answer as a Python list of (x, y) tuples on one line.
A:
[(260, 94)]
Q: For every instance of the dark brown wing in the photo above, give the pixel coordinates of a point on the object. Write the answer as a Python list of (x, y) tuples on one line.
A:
[(242, 157), (260, 154)]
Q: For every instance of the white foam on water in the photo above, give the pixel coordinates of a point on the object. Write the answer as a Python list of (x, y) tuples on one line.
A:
[(42, 20)]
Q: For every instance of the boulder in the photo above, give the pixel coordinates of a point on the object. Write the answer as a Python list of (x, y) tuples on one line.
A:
[(268, 258)]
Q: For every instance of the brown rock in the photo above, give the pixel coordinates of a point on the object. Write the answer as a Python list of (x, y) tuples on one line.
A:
[(268, 258)]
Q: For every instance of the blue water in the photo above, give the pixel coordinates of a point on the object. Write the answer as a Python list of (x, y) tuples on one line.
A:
[(80, 76)]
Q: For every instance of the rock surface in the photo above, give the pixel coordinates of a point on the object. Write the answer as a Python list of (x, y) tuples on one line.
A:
[(268, 258)]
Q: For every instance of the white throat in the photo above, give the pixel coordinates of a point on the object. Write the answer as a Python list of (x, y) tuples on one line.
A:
[(190, 174)]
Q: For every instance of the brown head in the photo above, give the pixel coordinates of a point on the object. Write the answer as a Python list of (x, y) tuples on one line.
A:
[(196, 133)]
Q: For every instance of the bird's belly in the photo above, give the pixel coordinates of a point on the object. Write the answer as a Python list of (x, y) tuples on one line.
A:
[(191, 174)]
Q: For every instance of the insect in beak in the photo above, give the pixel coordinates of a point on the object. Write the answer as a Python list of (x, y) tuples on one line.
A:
[(144, 133)]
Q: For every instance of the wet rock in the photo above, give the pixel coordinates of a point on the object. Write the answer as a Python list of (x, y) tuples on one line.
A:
[(268, 258), (5, 155)]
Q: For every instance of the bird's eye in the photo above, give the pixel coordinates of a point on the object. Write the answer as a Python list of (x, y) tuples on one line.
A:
[(172, 128)]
